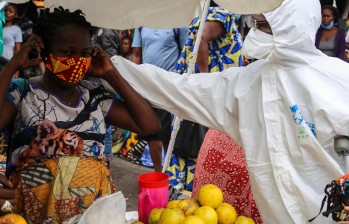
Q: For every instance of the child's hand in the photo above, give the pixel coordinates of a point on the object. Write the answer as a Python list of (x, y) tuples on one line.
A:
[(21, 58)]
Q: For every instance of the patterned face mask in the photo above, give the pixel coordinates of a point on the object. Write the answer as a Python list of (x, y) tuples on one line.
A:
[(68, 69)]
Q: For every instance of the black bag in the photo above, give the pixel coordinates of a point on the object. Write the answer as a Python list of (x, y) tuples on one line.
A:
[(189, 139), (336, 197)]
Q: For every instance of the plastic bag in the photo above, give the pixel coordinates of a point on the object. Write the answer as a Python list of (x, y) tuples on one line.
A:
[(109, 209)]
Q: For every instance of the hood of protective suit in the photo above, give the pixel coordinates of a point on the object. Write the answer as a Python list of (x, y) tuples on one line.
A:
[(294, 25)]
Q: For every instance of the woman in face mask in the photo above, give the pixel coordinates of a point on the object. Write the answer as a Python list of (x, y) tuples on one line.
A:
[(330, 39), (57, 159)]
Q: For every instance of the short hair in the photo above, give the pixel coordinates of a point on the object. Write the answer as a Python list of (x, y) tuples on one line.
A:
[(126, 38), (13, 5), (334, 10), (48, 23)]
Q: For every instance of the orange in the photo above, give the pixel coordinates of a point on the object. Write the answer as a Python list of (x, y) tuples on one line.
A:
[(15, 218), (244, 220), (210, 195), (207, 214), (226, 214), (188, 206), (172, 216)]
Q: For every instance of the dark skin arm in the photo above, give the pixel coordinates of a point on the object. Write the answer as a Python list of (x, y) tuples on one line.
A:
[(17, 47), (137, 55), (7, 191), (134, 113), (212, 30)]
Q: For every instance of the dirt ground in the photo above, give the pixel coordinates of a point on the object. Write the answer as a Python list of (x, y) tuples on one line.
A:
[(125, 176)]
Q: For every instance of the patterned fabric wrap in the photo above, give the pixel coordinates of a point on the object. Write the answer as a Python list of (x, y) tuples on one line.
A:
[(222, 162), (224, 52), (68, 69), (55, 190), (181, 172)]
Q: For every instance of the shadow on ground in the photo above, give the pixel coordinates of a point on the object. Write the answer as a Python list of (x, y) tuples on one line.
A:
[(125, 176)]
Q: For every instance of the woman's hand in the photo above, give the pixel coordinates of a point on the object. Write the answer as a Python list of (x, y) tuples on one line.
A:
[(21, 58), (7, 192), (101, 64)]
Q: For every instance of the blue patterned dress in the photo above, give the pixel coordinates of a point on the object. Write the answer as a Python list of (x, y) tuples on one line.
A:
[(224, 52)]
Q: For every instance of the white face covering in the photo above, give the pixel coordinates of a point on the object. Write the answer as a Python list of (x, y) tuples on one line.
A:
[(257, 44)]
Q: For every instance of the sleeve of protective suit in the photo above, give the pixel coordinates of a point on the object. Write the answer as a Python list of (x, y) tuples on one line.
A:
[(190, 97)]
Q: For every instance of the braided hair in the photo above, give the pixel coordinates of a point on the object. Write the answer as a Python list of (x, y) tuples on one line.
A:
[(48, 23)]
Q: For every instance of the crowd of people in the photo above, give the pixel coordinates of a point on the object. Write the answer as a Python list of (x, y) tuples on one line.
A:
[(66, 86)]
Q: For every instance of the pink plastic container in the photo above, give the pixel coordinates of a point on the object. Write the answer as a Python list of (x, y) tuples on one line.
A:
[(153, 193)]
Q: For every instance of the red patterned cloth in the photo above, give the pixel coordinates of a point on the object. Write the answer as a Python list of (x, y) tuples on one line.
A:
[(222, 162)]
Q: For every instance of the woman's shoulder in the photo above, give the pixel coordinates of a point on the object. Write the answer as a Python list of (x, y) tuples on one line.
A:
[(340, 31), (15, 28)]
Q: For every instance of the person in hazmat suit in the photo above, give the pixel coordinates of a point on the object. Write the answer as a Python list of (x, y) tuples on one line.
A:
[(285, 109)]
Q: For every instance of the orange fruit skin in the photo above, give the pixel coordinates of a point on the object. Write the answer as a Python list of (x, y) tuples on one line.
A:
[(210, 195), (12, 218), (207, 214), (226, 214)]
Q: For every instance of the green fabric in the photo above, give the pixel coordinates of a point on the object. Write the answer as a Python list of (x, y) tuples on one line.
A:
[(2, 24)]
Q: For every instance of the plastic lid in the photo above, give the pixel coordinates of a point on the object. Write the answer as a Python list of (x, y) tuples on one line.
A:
[(153, 180)]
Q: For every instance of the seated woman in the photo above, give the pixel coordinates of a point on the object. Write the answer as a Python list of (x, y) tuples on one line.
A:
[(57, 159), (330, 39)]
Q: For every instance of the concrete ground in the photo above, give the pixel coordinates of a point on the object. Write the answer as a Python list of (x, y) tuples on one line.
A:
[(125, 176)]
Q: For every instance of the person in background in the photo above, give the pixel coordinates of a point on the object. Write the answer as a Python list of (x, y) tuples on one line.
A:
[(2, 25), (12, 33), (126, 47), (57, 162), (220, 49), (330, 39), (159, 47), (108, 40), (26, 18), (126, 33), (26, 21)]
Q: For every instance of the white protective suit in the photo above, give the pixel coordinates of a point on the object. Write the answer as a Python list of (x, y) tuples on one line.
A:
[(284, 110)]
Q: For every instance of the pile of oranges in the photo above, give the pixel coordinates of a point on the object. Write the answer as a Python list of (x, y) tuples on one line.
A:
[(208, 208)]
